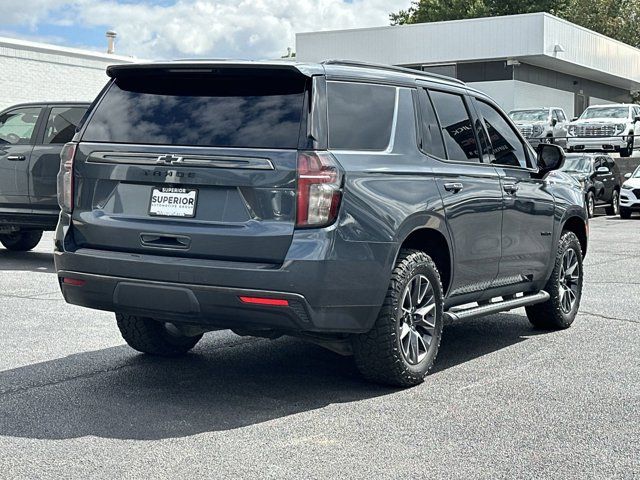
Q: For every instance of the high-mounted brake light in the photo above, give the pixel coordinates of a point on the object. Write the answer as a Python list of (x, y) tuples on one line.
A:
[(65, 177), (319, 189)]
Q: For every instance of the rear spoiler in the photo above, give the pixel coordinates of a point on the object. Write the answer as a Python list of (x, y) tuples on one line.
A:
[(220, 67)]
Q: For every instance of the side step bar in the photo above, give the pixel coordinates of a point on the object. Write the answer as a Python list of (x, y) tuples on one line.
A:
[(496, 307)]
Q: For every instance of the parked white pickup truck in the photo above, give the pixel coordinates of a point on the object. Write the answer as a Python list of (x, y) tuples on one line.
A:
[(542, 124), (606, 128)]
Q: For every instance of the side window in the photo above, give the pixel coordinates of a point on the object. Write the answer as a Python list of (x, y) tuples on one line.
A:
[(360, 115), (17, 126), (431, 135), (554, 115), (561, 116), (457, 129), (598, 163), (508, 149), (62, 124)]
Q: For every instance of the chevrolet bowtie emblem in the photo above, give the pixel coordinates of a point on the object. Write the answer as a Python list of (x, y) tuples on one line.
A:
[(168, 159)]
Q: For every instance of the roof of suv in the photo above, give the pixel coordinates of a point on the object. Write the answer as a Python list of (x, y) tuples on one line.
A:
[(329, 67)]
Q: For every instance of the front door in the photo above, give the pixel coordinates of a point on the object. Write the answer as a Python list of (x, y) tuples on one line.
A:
[(528, 215), (17, 131)]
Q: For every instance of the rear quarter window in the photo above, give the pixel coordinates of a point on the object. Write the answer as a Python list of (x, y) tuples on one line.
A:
[(360, 115), (200, 110)]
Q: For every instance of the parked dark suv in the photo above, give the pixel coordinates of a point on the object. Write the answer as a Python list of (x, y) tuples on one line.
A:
[(599, 177), (353, 206), (31, 139)]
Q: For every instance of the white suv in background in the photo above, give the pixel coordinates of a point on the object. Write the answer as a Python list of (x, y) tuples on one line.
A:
[(630, 194), (606, 128), (541, 124)]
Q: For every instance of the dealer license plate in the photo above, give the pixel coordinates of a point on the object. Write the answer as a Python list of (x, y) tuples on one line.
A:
[(173, 202)]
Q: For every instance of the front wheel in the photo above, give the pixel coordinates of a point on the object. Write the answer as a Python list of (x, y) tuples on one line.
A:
[(402, 346), (22, 241), (628, 151), (625, 213), (564, 286), (615, 204), (153, 336)]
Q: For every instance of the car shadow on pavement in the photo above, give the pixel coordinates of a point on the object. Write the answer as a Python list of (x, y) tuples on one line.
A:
[(115, 393), (26, 261)]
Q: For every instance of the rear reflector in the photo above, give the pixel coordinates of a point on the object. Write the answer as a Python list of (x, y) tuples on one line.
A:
[(274, 302), (75, 282)]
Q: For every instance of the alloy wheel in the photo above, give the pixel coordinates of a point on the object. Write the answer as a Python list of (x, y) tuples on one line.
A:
[(417, 319), (615, 202), (569, 280), (591, 206)]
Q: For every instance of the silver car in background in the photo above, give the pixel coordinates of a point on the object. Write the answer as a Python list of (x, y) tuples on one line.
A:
[(541, 124)]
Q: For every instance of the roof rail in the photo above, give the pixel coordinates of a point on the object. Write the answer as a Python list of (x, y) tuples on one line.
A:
[(420, 73)]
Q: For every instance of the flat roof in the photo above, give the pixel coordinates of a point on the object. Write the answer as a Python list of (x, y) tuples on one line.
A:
[(27, 45), (538, 39)]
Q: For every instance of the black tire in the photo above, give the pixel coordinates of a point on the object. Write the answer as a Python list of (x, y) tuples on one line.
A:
[(613, 209), (625, 213), (590, 203), (151, 336), (380, 354), (628, 151), (21, 241), (553, 314)]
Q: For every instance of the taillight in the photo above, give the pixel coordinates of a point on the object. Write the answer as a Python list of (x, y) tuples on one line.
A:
[(65, 177), (319, 189)]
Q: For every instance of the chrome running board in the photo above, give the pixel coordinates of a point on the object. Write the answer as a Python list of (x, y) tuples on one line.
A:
[(497, 307)]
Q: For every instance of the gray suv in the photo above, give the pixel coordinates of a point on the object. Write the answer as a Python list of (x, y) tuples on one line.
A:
[(354, 206)]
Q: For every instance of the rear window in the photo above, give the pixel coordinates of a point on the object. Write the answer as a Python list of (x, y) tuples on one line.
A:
[(201, 110), (360, 115)]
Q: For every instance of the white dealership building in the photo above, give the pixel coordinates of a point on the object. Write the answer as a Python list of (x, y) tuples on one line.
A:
[(522, 61), (34, 72)]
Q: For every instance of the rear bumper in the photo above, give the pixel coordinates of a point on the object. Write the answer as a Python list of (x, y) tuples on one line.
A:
[(340, 294)]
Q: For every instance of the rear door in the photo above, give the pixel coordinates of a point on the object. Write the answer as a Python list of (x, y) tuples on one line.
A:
[(606, 180), (528, 218), (60, 123), (193, 162), (17, 133), (470, 191)]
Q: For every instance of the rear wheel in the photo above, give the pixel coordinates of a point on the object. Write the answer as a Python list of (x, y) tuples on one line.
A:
[(153, 336), (615, 204), (564, 286), (591, 204), (625, 213), (402, 346), (22, 241)]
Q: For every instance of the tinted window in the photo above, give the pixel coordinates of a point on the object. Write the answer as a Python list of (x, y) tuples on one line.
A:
[(17, 126), (360, 115), (561, 116), (508, 149), (62, 124), (203, 110), (431, 135), (457, 130)]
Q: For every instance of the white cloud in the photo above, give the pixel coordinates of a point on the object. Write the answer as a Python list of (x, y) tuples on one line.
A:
[(209, 28)]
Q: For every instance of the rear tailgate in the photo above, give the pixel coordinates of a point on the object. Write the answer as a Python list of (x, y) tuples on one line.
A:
[(192, 163)]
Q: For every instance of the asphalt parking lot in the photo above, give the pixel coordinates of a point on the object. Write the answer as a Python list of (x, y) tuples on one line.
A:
[(504, 401)]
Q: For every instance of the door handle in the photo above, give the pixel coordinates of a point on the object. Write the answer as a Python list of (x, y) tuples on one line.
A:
[(454, 187), (16, 158), (510, 188)]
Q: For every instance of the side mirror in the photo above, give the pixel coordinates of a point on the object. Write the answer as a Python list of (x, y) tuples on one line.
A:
[(550, 157), (603, 171), (574, 119), (636, 118), (627, 175), (554, 122)]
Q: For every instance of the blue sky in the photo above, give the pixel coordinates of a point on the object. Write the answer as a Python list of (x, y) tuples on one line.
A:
[(160, 29)]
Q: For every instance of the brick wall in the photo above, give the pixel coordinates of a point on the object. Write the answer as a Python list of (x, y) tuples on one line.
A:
[(32, 74)]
